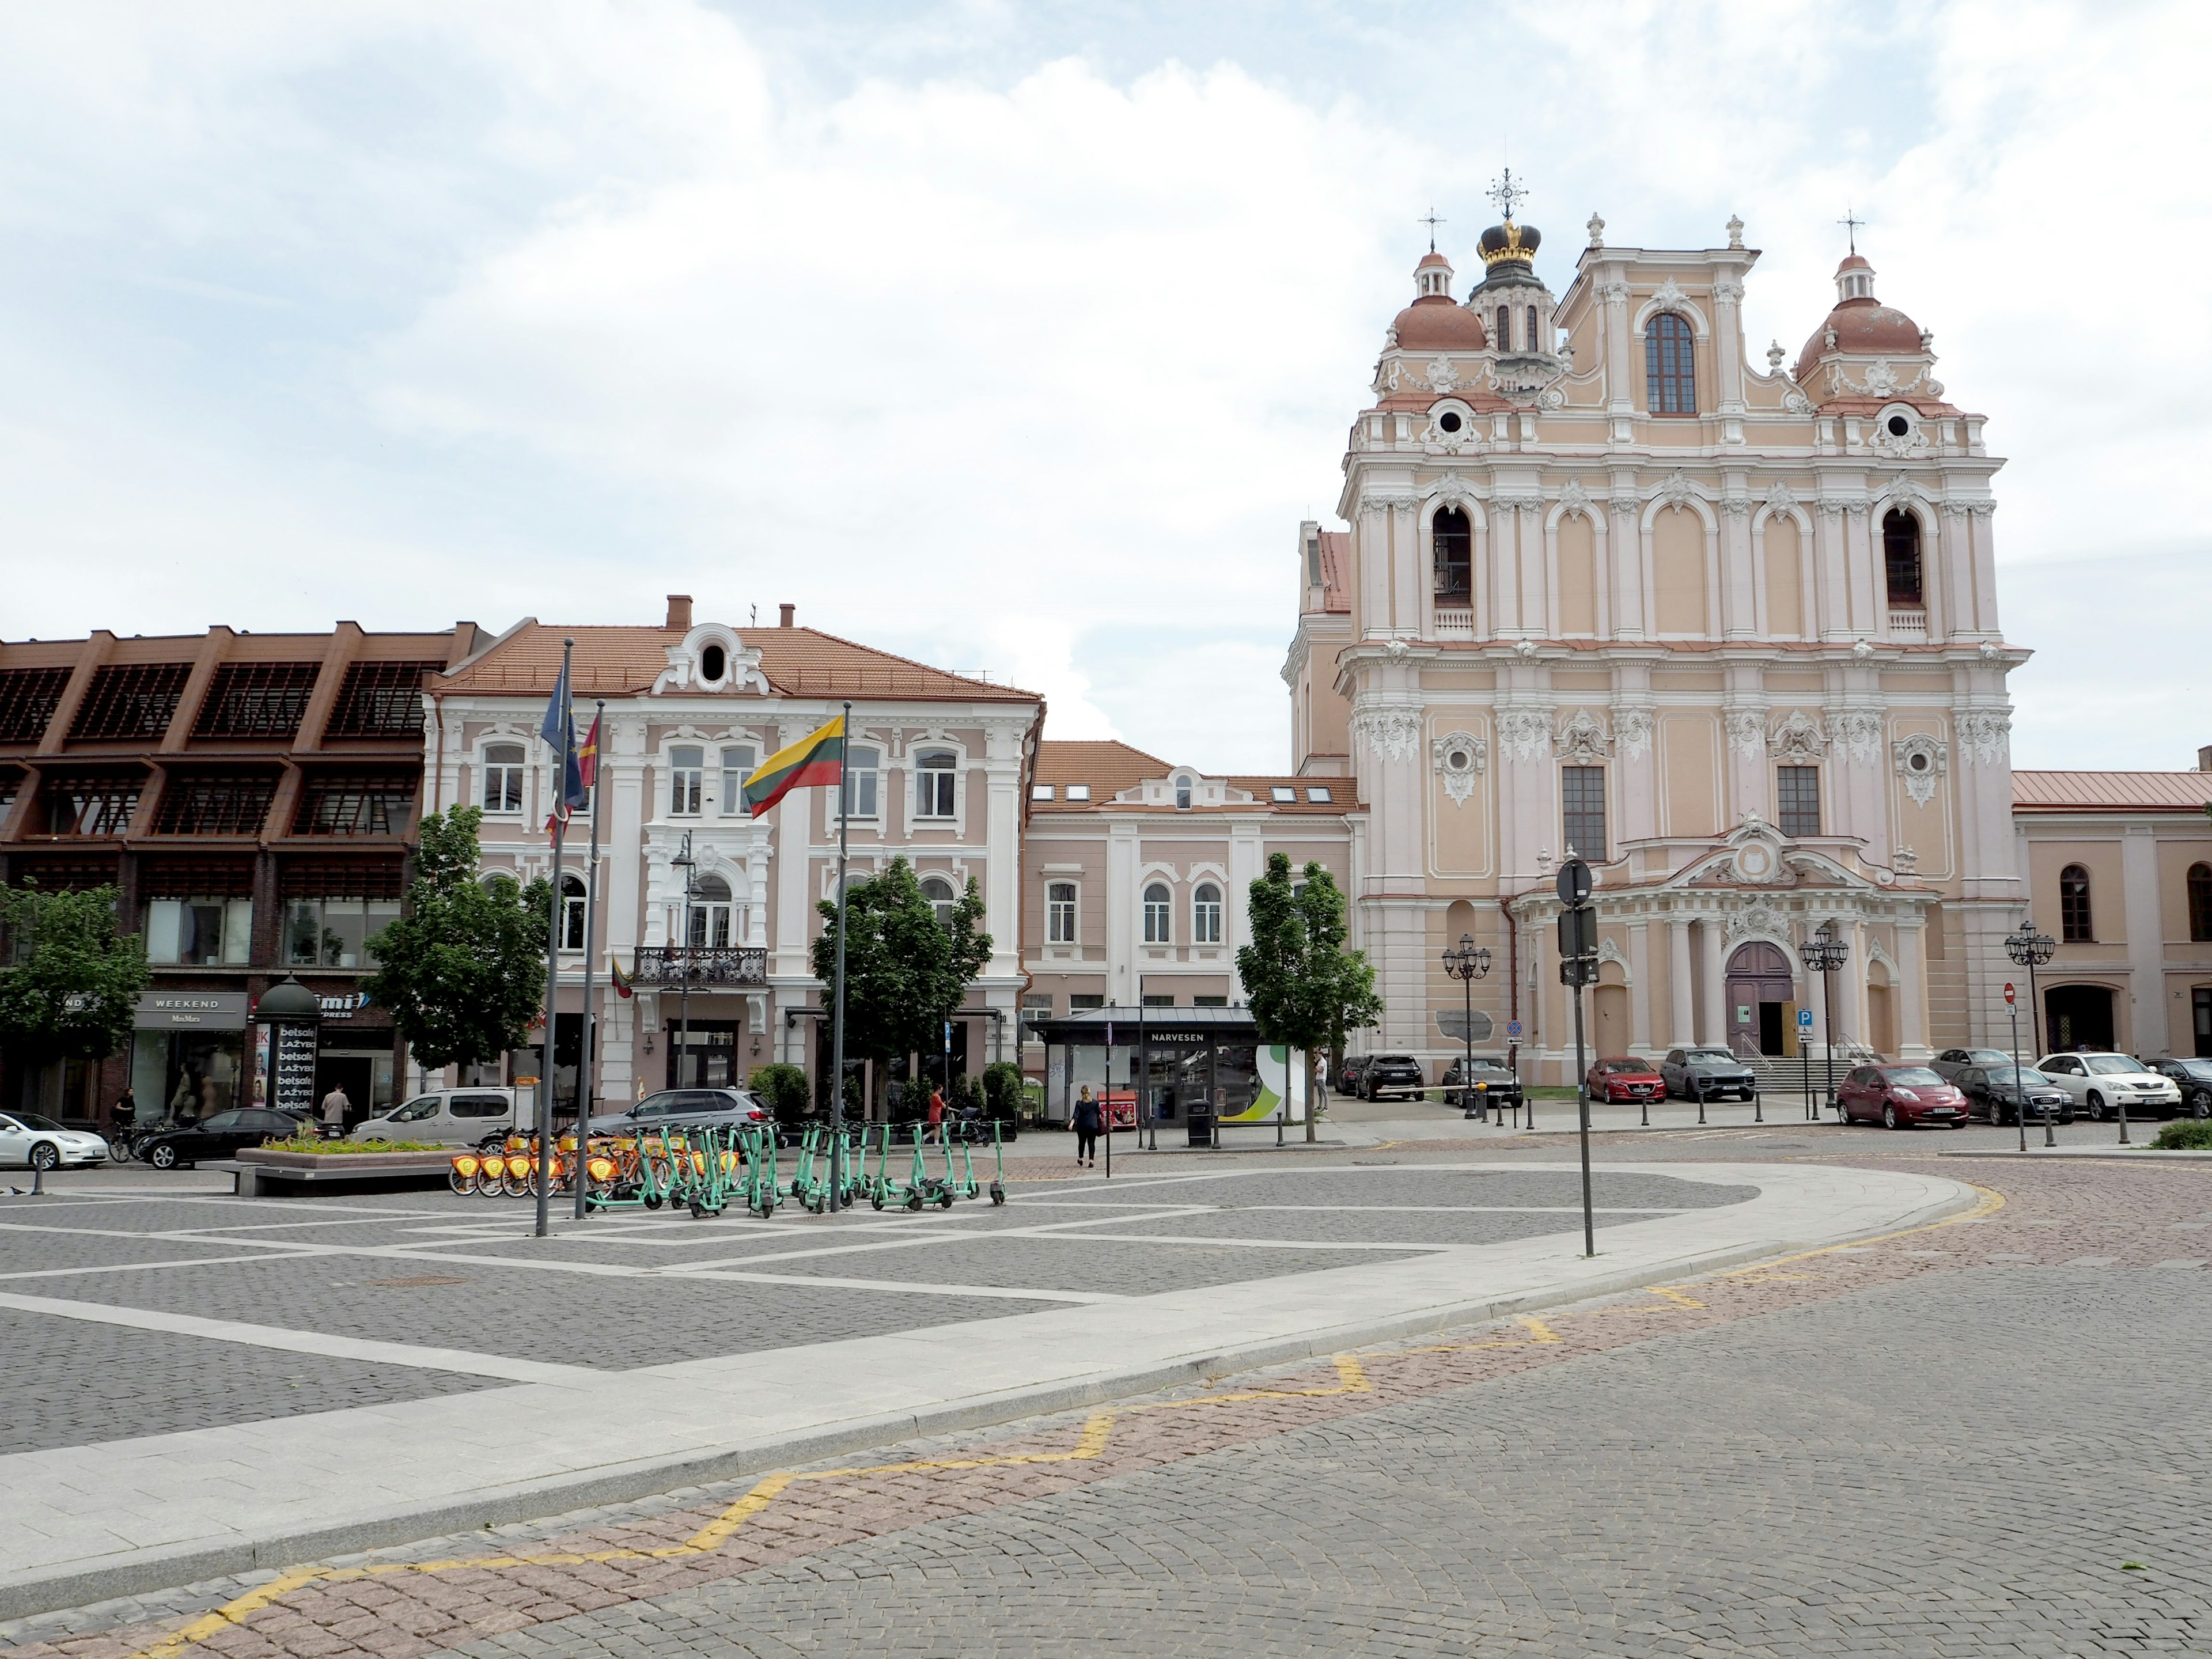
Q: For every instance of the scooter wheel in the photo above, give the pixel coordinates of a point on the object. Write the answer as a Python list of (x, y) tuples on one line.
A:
[(998, 1193), (698, 1211), (944, 1200), (914, 1200), (653, 1200), (877, 1202)]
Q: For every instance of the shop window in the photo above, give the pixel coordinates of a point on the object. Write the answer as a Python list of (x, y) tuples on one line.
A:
[(1582, 798), (234, 803), (934, 778), (737, 764), (1159, 924), (29, 697), (1206, 914), (357, 804), (1797, 799), (859, 792), (199, 933), (1059, 912), (575, 902), (2200, 902), (687, 771), (1670, 374), (1453, 543), (131, 699), (2075, 926), (334, 933), (1900, 558), (381, 700), (256, 700), (502, 777), (942, 899)]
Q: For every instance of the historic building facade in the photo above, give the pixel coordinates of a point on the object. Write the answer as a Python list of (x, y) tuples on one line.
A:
[(1728, 633), (719, 948)]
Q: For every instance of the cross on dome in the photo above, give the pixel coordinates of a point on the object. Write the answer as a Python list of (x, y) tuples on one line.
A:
[(1853, 225), (1507, 194), (1433, 220)]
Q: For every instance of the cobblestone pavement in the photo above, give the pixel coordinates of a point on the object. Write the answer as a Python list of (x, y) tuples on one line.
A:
[(1972, 1439)]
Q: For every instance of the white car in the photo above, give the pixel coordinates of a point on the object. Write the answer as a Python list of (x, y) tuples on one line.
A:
[(2101, 1084), (28, 1141)]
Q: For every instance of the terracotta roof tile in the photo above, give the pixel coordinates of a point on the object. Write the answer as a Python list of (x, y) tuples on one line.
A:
[(1111, 766), (1335, 571), (2111, 791)]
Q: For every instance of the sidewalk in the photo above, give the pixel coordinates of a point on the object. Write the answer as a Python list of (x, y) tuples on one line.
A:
[(87, 1523)]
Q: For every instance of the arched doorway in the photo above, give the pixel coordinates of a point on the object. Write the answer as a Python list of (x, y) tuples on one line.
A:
[(1760, 998), (2079, 1016)]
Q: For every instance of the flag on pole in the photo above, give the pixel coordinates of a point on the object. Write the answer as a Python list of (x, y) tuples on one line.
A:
[(587, 758), (622, 981), (559, 731), (816, 761)]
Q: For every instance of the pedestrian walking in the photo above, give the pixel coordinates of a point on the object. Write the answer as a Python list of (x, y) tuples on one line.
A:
[(335, 1108), (936, 1107), (1087, 1121)]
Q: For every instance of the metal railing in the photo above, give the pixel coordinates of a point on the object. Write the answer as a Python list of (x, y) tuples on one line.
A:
[(701, 964)]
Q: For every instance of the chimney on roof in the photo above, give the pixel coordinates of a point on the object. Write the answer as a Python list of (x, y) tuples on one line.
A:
[(679, 611), (2204, 759), (790, 615)]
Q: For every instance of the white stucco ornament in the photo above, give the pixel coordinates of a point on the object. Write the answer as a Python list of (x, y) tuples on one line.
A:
[(1524, 733), (1984, 736), (1858, 733), (1631, 733), (1796, 738), (1582, 739), (1920, 760), (1443, 375), (1746, 732), (1392, 733), (1459, 757)]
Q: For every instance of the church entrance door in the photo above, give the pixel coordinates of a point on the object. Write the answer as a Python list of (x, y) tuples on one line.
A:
[(1758, 990)]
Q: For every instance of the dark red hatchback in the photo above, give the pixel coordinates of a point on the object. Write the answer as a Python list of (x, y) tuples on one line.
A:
[(1899, 1097)]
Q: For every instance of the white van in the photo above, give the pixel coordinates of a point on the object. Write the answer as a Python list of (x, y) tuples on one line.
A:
[(455, 1117)]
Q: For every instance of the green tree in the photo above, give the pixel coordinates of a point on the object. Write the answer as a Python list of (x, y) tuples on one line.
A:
[(463, 970), (1306, 990), (72, 990), (906, 972), (783, 1087)]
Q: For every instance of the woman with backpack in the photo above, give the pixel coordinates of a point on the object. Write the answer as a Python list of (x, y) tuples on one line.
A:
[(1086, 1123)]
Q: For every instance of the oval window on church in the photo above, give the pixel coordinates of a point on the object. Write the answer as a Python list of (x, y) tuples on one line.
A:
[(1899, 426), (1456, 759), (1448, 421), (712, 662)]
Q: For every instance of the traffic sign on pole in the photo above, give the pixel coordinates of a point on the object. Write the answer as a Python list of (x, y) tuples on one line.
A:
[(2009, 993), (1805, 1019), (1513, 1029), (1574, 883)]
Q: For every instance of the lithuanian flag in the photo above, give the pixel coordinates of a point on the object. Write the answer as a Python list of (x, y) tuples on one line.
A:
[(816, 761)]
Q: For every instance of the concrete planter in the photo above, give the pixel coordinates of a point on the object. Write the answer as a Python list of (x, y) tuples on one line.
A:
[(261, 1170)]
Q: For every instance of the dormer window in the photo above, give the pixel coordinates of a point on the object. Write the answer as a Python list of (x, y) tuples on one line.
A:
[(1182, 795), (714, 664)]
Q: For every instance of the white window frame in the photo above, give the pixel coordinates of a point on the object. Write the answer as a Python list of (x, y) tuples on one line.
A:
[(863, 790), (1206, 914), (1062, 915), (687, 784), (943, 907), (509, 773), (575, 903), (734, 778), (936, 788), (1159, 916), (711, 924)]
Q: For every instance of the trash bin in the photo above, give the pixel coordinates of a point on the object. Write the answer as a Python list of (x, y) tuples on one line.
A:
[(1200, 1116)]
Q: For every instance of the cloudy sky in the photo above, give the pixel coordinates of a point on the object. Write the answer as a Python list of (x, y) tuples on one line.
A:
[(1019, 338)]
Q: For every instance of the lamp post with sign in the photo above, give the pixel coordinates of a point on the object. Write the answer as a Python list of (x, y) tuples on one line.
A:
[(1805, 1060), (1467, 963), (1578, 968), (2012, 1007), (2030, 950), (1824, 954)]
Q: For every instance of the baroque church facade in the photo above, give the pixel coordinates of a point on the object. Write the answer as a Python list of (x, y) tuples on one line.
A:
[(1728, 633)]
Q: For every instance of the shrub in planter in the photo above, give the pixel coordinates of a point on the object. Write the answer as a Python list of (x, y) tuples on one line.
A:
[(2185, 1134), (782, 1089)]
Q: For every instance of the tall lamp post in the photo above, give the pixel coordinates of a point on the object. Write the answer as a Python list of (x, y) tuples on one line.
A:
[(2031, 950), (683, 861), (1823, 954), (1467, 963)]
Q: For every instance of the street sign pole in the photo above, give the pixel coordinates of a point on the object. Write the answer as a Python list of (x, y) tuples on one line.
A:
[(2012, 1007), (1577, 968), (1805, 1060)]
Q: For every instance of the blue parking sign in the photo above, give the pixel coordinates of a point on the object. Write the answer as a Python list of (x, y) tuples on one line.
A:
[(1805, 1018)]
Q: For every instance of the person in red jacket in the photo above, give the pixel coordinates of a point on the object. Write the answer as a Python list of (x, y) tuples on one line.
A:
[(936, 1107)]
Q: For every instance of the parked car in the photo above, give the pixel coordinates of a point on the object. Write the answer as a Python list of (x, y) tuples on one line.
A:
[(455, 1117), (687, 1109), (1715, 1073), (1899, 1097), (1625, 1078), (1393, 1074), (218, 1136), (2194, 1079), (1479, 1087), (1347, 1074), (1952, 1061), (2100, 1084), (31, 1141), (1995, 1091)]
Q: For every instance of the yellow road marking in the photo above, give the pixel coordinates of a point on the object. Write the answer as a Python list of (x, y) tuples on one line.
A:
[(1542, 1332)]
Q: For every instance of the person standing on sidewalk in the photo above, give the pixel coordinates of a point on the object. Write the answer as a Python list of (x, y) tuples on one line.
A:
[(1086, 1122), (335, 1108)]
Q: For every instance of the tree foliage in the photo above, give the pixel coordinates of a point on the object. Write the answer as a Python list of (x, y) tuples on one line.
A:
[(463, 970), (782, 1087), (906, 973), (1305, 989), (73, 988)]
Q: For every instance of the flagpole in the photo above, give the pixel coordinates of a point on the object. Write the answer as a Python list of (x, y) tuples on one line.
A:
[(590, 1050), (837, 1023), (553, 943)]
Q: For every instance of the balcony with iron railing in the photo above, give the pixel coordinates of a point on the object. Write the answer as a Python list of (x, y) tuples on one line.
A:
[(702, 965)]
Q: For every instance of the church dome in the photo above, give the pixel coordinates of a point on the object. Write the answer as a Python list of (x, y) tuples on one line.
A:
[(1437, 322), (1860, 324)]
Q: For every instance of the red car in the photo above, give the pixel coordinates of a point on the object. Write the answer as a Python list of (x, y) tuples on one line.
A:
[(1626, 1078), (1900, 1097)]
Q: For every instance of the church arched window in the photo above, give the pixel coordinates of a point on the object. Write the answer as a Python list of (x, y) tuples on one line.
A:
[(2074, 923), (1535, 333), (1505, 328), (1900, 557), (2200, 902), (1670, 372), (1454, 556)]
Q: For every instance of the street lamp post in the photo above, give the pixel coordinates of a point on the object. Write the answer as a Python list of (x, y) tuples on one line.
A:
[(1467, 963), (2030, 950), (1823, 954), (683, 861)]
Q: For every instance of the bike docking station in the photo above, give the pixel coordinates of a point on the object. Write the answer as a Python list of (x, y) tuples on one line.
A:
[(1578, 968)]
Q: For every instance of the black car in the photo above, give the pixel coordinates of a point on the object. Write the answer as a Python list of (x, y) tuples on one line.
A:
[(1709, 1073), (1993, 1091), (1487, 1084), (686, 1109), (217, 1137), (1952, 1061), (2194, 1079), (1347, 1074), (1396, 1074)]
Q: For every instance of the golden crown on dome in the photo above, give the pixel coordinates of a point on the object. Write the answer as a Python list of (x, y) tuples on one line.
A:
[(1509, 242)]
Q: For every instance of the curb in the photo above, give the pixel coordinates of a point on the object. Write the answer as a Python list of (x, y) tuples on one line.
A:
[(2091, 1155), (24, 1594)]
